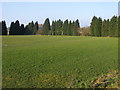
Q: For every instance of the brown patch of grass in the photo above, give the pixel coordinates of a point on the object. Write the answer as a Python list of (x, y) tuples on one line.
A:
[(109, 80)]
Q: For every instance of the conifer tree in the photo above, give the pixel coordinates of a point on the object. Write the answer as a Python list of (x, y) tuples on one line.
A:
[(92, 26), (69, 28), (26, 30), (119, 26), (113, 27), (53, 28), (46, 27), (12, 29), (22, 29), (30, 28), (58, 27), (35, 27), (95, 27), (0, 28), (65, 27), (17, 28), (77, 26), (4, 28), (99, 25), (73, 28), (105, 28)]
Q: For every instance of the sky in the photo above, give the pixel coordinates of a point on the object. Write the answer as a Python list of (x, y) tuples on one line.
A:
[(26, 12)]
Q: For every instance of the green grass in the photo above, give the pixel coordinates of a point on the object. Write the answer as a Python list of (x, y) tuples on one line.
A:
[(56, 61)]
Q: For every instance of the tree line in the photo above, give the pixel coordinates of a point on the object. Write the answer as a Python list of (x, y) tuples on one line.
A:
[(107, 27), (61, 28), (18, 29), (98, 27), (56, 28)]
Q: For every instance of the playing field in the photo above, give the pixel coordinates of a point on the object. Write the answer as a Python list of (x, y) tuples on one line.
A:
[(58, 61)]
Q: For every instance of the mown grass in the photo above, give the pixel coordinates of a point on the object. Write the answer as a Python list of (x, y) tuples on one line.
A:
[(56, 61)]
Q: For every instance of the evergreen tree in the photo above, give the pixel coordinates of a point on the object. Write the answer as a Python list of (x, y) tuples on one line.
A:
[(69, 28), (0, 28), (77, 23), (92, 26), (46, 27), (73, 28), (36, 27), (53, 28), (77, 26), (55, 25), (4, 28), (22, 29), (30, 28), (58, 27), (99, 25), (113, 27), (116, 27), (119, 26), (12, 29), (26, 30), (65, 27), (105, 28), (95, 27), (17, 28)]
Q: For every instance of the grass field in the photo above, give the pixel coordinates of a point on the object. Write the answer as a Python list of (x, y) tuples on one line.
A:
[(59, 61)]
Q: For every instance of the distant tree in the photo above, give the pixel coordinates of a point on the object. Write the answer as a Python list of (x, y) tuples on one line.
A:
[(55, 25), (98, 27), (58, 27), (73, 28), (4, 28), (22, 29), (95, 27), (27, 32), (0, 28), (119, 26), (113, 27), (12, 29), (92, 26), (69, 28), (53, 28), (17, 28), (105, 28), (77, 23), (30, 28), (61, 27), (36, 27), (77, 26), (116, 27), (65, 27), (46, 27)]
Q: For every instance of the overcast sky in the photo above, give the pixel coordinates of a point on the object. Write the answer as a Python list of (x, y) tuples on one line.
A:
[(38, 11)]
